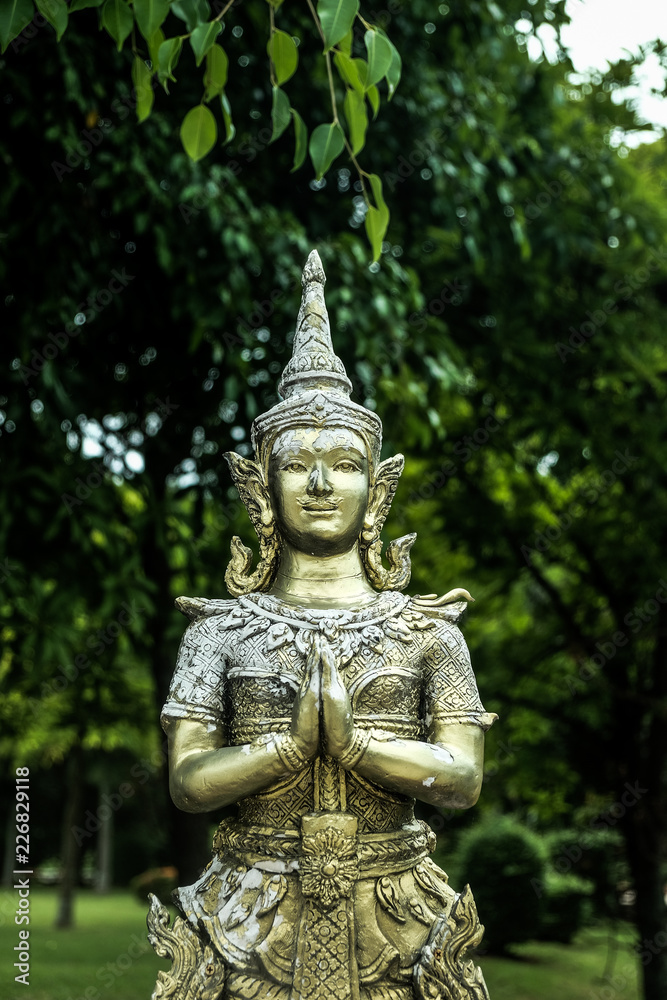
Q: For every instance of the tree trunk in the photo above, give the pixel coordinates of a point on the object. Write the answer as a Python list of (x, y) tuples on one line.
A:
[(104, 873), (651, 913), (70, 845), (645, 823), (189, 848)]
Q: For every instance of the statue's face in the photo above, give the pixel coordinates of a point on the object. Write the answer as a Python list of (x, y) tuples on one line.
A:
[(319, 482)]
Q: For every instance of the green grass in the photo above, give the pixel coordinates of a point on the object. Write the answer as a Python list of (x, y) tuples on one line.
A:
[(107, 955), (546, 971)]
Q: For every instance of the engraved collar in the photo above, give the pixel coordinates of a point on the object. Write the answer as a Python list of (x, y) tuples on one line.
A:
[(387, 605)]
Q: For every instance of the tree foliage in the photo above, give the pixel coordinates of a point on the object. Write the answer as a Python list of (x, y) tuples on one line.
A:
[(157, 31)]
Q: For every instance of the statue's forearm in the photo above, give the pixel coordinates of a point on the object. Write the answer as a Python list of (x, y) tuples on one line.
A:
[(213, 778), (203, 775), (446, 774)]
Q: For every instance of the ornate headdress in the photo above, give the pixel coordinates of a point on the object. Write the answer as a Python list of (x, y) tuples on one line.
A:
[(316, 393), (314, 385)]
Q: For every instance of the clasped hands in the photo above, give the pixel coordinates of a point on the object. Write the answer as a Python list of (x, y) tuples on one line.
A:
[(322, 719)]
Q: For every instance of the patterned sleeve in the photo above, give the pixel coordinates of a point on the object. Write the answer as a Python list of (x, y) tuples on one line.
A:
[(198, 686), (450, 688)]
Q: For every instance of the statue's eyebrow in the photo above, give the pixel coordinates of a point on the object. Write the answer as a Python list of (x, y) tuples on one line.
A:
[(293, 450), (296, 449), (349, 451)]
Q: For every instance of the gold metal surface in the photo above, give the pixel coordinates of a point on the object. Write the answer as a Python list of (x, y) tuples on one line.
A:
[(324, 702)]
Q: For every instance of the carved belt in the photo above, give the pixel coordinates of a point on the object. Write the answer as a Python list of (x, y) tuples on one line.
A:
[(282, 849)]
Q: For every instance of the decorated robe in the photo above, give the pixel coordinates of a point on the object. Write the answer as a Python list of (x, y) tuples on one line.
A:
[(322, 887)]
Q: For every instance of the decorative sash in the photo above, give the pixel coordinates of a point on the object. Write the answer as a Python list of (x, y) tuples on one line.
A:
[(326, 966)]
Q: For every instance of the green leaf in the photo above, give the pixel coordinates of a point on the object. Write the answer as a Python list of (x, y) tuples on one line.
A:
[(326, 143), (394, 72), (280, 113), (14, 16), (348, 71), (230, 130), (198, 132), (357, 119), (193, 12), (55, 12), (284, 56), (376, 224), (376, 188), (336, 18), (373, 95), (301, 140), (203, 37), (215, 77), (84, 4), (149, 15), (117, 19), (379, 56), (361, 67), (377, 217), (167, 57), (154, 43), (142, 78), (345, 44)]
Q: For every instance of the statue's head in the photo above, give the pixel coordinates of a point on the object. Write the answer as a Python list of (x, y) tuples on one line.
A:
[(316, 481)]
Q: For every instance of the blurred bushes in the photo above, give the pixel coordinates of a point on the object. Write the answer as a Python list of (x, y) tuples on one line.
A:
[(528, 886), (504, 861), (567, 907)]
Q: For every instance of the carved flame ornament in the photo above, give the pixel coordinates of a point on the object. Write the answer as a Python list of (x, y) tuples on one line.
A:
[(328, 866), (321, 701), (197, 973)]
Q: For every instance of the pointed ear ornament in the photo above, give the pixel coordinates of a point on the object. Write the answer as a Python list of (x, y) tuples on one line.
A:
[(398, 552), (249, 481)]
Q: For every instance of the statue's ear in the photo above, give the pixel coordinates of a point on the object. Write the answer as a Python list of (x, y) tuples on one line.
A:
[(382, 493), (249, 481)]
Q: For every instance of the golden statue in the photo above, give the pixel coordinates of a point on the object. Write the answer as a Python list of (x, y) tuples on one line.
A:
[(323, 702)]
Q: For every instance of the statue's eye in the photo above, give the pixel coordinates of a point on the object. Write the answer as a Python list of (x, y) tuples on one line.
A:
[(346, 466), (294, 467)]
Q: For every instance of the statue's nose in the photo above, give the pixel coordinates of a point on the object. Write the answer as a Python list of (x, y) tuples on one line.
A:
[(317, 481)]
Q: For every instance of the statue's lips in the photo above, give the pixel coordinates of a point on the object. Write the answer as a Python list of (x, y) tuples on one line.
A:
[(312, 507)]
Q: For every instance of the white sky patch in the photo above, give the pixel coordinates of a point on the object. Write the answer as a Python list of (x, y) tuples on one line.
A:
[(134, 460), (547, 462), (607, 30), (604, 31)]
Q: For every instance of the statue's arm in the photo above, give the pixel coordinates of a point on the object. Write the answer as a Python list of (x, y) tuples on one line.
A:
[(445, 772), (204, 774), (446, 769)]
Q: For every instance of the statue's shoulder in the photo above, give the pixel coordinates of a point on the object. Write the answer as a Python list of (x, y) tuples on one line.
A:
[(212, 616), (443, 614), (446, 609)]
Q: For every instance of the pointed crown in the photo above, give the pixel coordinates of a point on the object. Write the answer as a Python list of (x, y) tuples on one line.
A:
[(314, 385)]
